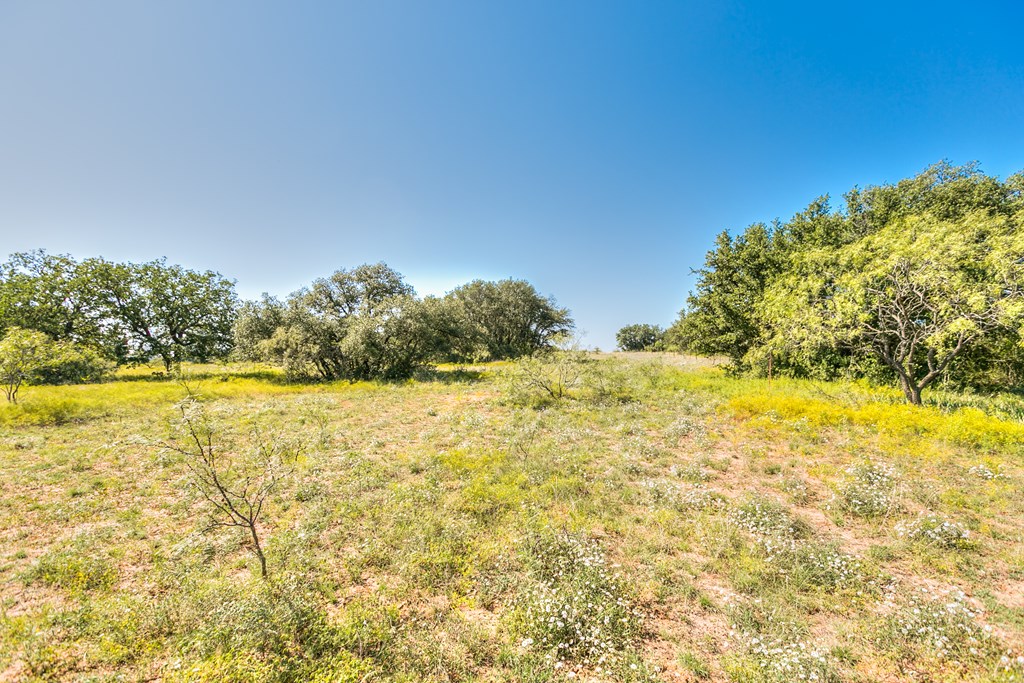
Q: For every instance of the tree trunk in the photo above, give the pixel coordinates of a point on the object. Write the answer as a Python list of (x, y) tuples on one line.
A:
[(258, 550)]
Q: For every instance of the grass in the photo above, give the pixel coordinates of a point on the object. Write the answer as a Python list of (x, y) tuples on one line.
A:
[(677, 524)]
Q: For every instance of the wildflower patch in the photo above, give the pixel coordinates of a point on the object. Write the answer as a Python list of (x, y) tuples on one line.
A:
[(576, 611), (936, 531), (868, 490)]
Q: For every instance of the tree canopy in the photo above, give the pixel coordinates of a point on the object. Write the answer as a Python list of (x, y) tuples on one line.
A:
[(125, 311), (167, 311), (640, 337), (507, 318), (910, 281), (368, 323)]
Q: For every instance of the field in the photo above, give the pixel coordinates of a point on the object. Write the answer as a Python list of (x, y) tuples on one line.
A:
[(652, 519)]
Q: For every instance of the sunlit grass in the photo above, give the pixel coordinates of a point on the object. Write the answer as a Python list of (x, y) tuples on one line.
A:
[(422, 534)]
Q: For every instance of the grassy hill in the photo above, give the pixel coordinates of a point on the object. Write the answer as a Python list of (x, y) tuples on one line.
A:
[(659, 521)]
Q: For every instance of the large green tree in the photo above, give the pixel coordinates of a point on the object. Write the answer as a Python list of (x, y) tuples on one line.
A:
[(52, 294), (358, 324), (639, 337), (720, 318), (916, 295), (167, 311), (726, 315), (507, 318)]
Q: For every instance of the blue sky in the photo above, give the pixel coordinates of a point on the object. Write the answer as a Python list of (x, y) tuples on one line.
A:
[(594, 148)]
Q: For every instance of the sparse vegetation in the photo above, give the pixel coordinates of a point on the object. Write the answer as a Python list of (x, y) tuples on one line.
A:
[(654, 523)]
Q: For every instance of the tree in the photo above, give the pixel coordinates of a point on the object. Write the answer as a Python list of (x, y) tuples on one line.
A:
[(23, 353), (256, 323), (720, 316), (167, 311), (367, 323), (640, 337), (235, 481), (725, 313), (509, 318), (52, 294), (360, 290), (400, 336), (306, 345), (358, 324), (917, 295)]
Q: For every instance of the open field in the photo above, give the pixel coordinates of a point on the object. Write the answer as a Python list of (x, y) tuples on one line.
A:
[(662, 521)]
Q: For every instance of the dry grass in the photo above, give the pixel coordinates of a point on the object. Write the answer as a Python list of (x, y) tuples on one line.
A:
[(416, 535)]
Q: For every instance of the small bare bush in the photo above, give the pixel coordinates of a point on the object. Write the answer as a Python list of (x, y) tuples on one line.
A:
[(234, 479), (548, 376)]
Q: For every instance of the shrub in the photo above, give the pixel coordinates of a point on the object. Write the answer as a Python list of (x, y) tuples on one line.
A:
[(941, 625), (934, 530), (869, 490), (74, 365), (576, 610)]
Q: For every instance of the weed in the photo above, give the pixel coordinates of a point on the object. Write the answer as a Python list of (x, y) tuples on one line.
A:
[(694, 664), (982, 471), (577, 610), (936, 531), (868, 490), (76, 567), (692, 472), (936, 624), (775, 659), (769, 520)]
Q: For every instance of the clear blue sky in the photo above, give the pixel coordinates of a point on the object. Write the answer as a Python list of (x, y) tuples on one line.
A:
[(594, 148)]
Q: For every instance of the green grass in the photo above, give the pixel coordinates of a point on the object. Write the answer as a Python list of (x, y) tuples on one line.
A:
[(726, 528)]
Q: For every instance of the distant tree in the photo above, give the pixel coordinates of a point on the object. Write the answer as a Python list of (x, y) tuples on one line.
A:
[(400, 336), (23, 353), (917, 295), (509, 318), (350, 292), (367, 323), (255, 323), (52, 294), (167, 311), (306, 345), (357, 324), (641, 337)]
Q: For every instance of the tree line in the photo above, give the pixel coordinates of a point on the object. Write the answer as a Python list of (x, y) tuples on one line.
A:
[(914, 282), (65, 320)]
